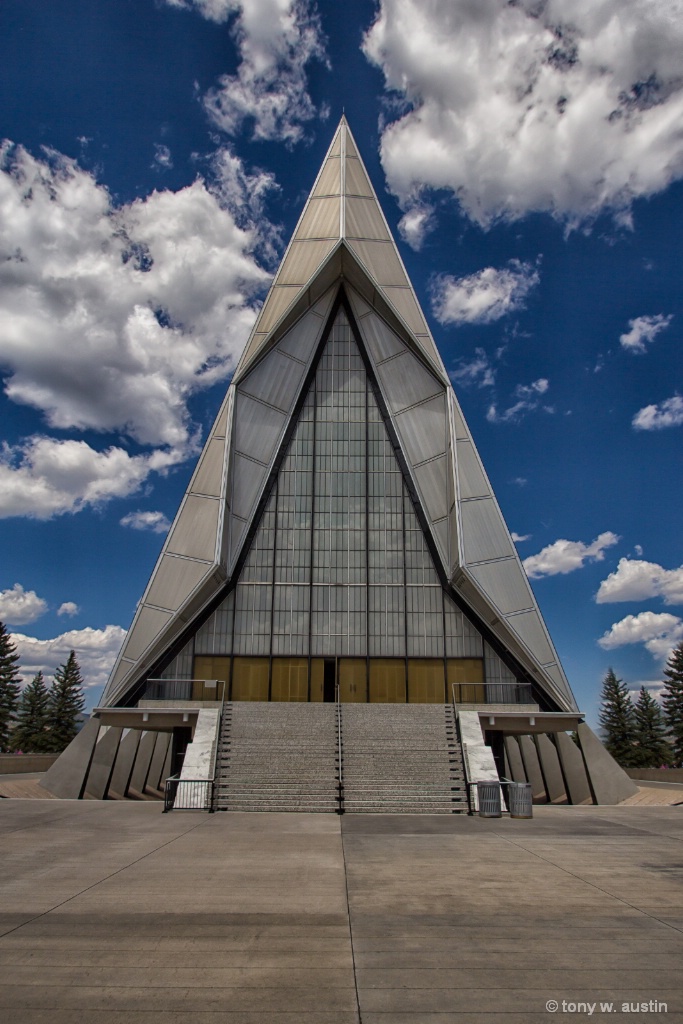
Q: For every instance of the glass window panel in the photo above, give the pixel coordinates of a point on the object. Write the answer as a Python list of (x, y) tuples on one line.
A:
[(426, 681), (216, 670), (250, 679), (353, 685), (465, 677), (387, 683), (289, 679)]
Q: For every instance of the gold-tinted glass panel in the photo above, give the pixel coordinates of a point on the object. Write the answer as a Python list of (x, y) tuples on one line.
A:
[(317, 678), (470, 693), (468, 676), (290, 679), (387, 681), (353, 682), (250, 679), (426, 678), (214, 669)]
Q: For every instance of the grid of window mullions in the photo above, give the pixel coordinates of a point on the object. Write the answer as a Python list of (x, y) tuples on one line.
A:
[(339, 564)]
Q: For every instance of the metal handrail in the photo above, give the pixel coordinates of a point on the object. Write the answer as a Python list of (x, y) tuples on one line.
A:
[(201, 794), (463, 748), (340, 780)]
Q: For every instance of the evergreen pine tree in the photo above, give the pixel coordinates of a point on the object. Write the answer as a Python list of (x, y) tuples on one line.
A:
[(66, 702), (672, 700), (9, 685), (652, 750), (617, 718), (30, 734)]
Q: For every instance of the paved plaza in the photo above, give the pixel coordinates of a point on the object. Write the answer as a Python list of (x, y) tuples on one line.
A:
[(114, 912)]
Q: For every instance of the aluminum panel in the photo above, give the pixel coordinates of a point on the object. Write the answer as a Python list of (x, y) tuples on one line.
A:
[(381, 261), (221, 424), (174, 581), (148, 625), (406, 382), (252, 347), (360, 306), (303, 259), (350, 145), (194, 532), (300, 341), (403, 301), (322, 306), (335, 148), (380, 339), (529, 628), (505, 584), (247, 479), (279, 299), (275, 380), (461, 431), (238, 530), (432, 480), (257, 428), (485, 535), (357, 183), (208, 476), (424, 429), (471, 477), (364, 220), (558, 677), (441, 533), (321, 219), (329, 182)]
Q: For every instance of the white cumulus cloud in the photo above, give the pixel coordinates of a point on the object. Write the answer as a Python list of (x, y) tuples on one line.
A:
[(567, 555), (96, 650), (276, 39), (69, 608), (668, 413), (45, 477), (483, 297), (659, 632), (155, 521), (638, 580), (572, 109), (642, 330), (19, 607), (528, 399)]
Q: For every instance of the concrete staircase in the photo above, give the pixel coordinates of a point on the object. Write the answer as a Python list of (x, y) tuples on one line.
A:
[(395, 758), (277, 757), (402, 759)]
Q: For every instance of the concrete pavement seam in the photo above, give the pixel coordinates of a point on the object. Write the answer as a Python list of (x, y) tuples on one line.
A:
[(106, 878), (348, 915)]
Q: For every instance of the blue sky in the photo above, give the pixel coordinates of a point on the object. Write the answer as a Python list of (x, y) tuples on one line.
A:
[(157, 156)]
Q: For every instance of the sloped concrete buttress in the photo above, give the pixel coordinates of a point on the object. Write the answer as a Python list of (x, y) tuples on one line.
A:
[(143, 760), (550, 767), (123, 768), (66, 778), (609, 782), (514, 758), (102, 766), (532, 768), (574, 769)]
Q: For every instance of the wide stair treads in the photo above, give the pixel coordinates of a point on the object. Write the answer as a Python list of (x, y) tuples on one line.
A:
[(402, 759), (277, 757)]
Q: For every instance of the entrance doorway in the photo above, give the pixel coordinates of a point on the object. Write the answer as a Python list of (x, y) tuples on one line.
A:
[(329, 680)]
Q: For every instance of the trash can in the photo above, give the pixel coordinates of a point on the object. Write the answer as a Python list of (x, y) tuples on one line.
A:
[(519, 800), (488, 798)]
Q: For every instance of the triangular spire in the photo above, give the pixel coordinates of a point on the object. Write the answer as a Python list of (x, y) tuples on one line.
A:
[(341, 252)]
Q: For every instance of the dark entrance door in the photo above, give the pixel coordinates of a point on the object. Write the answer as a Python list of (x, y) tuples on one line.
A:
[(329, 680)]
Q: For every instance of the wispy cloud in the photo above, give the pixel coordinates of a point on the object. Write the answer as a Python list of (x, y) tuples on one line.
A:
[(528, 400), (477, 371), (483, 297), (566, 556), (643, 330), (668, 413), (155, 521)]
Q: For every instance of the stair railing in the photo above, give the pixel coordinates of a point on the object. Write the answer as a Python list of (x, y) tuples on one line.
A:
[(340, 759), (463, 747)]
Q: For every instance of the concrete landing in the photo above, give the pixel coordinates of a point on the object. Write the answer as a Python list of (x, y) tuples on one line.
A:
[(113, 913)]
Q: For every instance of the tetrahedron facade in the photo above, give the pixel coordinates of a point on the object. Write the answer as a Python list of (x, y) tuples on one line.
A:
[(339, 536)]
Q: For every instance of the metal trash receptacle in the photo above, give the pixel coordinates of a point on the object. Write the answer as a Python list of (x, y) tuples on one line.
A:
[(488, 798), (520, 803)]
